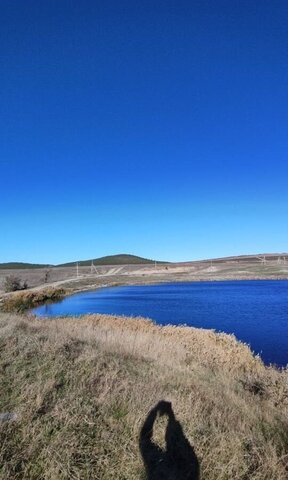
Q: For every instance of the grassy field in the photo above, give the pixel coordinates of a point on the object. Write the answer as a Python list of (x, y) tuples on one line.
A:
[(81, 389)]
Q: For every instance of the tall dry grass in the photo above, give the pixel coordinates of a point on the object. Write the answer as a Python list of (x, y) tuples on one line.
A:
[(82, 387), (19, 302)]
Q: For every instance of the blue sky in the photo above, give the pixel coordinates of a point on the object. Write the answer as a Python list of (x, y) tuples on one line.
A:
[(157, 128)]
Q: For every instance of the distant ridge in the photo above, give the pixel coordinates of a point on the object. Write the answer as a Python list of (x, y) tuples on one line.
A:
[(243, 258), (121, 259), (19, 265), (126, 259)]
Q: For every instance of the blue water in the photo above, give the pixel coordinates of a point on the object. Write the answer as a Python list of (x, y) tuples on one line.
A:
[(255, 311)]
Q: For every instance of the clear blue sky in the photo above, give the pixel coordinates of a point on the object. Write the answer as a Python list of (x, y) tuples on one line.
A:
[(156, 128)]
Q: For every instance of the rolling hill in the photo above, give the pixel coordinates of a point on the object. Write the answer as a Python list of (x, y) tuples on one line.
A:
[(20, 265), (121, 259), (126, 259)]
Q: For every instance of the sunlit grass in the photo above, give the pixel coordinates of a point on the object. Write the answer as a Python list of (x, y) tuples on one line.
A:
[(81, 387)]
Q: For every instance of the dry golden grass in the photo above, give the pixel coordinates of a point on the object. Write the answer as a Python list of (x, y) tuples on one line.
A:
[(24, 300), (81, 388)]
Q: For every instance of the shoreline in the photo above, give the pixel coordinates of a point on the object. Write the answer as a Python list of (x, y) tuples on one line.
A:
[(24, 302), (73, 290), (256, 350)]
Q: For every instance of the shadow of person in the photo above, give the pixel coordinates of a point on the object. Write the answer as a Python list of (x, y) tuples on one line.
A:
[(178, 461)]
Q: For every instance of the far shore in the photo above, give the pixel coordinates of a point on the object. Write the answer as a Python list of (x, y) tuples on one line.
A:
[(75, 280)]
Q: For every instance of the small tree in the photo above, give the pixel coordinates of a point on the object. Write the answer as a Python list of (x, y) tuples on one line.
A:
[(12, 283)]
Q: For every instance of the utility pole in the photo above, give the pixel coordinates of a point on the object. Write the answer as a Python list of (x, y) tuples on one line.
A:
[(77, 269), (93, 268), (262, 259)]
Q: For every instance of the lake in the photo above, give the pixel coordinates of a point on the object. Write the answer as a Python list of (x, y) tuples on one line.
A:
[(255, 311)]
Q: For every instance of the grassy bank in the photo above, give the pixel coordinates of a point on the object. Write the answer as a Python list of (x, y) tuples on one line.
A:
[(81, 389), (19, 302)]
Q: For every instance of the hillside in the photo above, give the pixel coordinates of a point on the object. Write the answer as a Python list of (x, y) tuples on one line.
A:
[(260, 257), (126, 259), (121, 259), (22, 265), (79, 389)]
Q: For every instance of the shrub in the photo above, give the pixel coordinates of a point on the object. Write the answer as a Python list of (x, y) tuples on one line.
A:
[(12, 283)]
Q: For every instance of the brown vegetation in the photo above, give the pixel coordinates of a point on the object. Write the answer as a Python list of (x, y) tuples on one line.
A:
[(82, 387), (21, 301), (12, 283)]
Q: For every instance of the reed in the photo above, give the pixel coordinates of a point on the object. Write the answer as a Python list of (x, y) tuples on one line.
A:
[(19, 302)]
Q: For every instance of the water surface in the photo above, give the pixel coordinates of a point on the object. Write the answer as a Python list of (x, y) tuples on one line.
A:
[(255, 311)]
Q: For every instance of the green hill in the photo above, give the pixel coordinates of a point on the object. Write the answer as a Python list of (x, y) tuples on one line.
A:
[(19, 265), (121, 259)]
